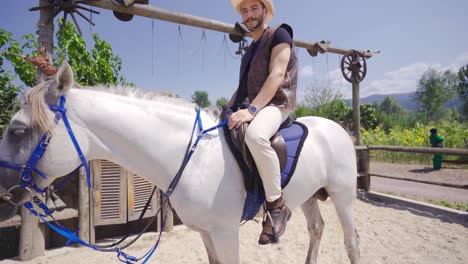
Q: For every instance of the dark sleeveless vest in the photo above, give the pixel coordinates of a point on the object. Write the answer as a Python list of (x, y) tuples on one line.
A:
[(259, 70)]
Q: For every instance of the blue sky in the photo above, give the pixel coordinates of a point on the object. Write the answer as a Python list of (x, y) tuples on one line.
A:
[(411, 35)]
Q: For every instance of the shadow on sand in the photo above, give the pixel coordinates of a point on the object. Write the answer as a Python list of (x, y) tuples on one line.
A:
[(415, 207)]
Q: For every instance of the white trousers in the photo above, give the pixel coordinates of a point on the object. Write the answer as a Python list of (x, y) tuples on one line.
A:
[(257, 137)]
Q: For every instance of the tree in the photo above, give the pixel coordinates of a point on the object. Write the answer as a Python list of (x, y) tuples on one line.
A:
[(390, 106), (390, 114), (97, 66), (317, 96), (302, 110), (368, 116), (462, 89), (8, 95), (201, 98), (336, 110), (434, 90), (222, 102)]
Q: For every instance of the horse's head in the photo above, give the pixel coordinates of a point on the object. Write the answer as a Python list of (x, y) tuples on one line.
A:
[(22, 136)]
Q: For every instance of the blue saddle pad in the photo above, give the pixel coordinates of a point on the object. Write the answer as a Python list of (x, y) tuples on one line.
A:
[(294, 136)]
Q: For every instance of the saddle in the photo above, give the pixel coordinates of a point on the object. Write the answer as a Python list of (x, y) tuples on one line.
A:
[(237, 136), (287, 143)]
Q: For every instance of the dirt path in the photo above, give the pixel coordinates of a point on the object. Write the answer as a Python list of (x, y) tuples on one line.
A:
[(452, 174), (420, 191), (389, 234)]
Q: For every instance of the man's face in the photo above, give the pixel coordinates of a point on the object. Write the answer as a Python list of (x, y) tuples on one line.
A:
[(253, 13)]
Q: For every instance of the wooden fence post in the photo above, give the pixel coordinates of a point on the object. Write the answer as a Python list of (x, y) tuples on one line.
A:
[(84, 223), (364, 181), (32, 242), (168, 215)]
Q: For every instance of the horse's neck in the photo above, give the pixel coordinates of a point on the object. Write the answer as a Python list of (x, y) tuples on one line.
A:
[(146, 137)]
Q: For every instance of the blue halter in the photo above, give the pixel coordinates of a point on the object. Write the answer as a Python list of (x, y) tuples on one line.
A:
[(27, 169)]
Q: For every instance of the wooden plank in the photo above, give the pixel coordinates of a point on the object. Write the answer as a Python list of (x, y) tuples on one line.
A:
[(459, 186), (94, 167), (32, 237), (83, 207), (15, 221), (360, 147), (461, 162), (424, 150), (67, 213), (109, 193), (201, 22), (168, 215), (139, 190), (356, 111)]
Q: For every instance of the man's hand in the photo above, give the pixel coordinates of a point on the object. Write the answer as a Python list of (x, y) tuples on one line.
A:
[(239, 118)]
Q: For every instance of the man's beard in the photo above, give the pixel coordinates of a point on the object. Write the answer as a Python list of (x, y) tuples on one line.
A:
[(259, 20)]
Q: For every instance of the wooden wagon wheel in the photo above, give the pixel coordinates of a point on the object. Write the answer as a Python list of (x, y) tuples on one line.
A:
[(68, 7), (353, 66)]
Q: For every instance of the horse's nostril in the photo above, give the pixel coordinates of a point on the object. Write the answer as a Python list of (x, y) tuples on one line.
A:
[(6, 198)]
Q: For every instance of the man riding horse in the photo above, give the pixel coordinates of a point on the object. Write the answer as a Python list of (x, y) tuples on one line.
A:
[(265, 97)]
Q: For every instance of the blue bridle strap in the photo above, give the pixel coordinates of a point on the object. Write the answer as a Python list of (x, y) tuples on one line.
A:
[(61, 109), (188, 154), (29, 167)]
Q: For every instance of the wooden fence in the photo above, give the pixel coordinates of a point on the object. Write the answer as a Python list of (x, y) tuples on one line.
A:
[(364, 158)]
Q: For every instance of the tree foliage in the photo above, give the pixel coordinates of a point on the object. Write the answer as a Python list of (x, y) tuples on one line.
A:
[(434, 90), (222, 102), (96, 66), (201, 98), (390, 106), (336, 110), (91, 67), (8, 94), (302, 110), (462, 89)]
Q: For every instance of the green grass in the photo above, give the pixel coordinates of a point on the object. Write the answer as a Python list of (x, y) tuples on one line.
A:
[(457, 206)]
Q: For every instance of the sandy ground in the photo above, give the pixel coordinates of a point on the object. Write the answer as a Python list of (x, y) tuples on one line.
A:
[(389, 234)]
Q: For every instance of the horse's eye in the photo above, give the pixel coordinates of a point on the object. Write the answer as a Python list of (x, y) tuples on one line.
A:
[(19, 132)]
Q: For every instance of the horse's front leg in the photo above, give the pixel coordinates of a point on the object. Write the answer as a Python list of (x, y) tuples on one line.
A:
[(210, 250), (222, 244)]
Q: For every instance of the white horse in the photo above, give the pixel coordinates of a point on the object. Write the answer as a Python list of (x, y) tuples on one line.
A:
[(149, 136)]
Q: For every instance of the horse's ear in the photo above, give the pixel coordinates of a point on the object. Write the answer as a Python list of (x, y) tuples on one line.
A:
[(64, 78)]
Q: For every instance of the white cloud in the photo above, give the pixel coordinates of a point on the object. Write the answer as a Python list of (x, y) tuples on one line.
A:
[(306, 71), (402, 80), (462, 59), (405, 79)]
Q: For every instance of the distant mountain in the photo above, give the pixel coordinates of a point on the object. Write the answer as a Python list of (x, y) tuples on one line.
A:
[(407, 100)]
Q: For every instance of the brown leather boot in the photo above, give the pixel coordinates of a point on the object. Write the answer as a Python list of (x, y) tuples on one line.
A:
[(274, 223)]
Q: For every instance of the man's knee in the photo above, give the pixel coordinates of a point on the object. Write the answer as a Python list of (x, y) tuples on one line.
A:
[(253, 138)]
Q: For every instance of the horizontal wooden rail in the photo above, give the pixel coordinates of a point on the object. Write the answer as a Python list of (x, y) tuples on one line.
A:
[(459, 186), (422, 150), (67, 213), (201, 22)]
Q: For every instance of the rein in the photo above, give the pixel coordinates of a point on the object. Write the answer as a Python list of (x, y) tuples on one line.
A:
[(29, 167)]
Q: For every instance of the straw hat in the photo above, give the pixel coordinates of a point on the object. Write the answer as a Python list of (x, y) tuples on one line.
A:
[(268, 4)]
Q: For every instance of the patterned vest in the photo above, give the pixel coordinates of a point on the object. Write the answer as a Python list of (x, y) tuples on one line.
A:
[(259, 70)]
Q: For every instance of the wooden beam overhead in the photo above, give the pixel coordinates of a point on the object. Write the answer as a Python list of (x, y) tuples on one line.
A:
[(186, 19)]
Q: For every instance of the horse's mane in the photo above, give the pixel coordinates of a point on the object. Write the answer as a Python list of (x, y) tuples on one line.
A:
[(35, 98)]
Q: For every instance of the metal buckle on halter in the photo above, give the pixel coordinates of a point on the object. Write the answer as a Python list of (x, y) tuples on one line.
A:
[(26, 174), (10, 195), (46, 142)]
